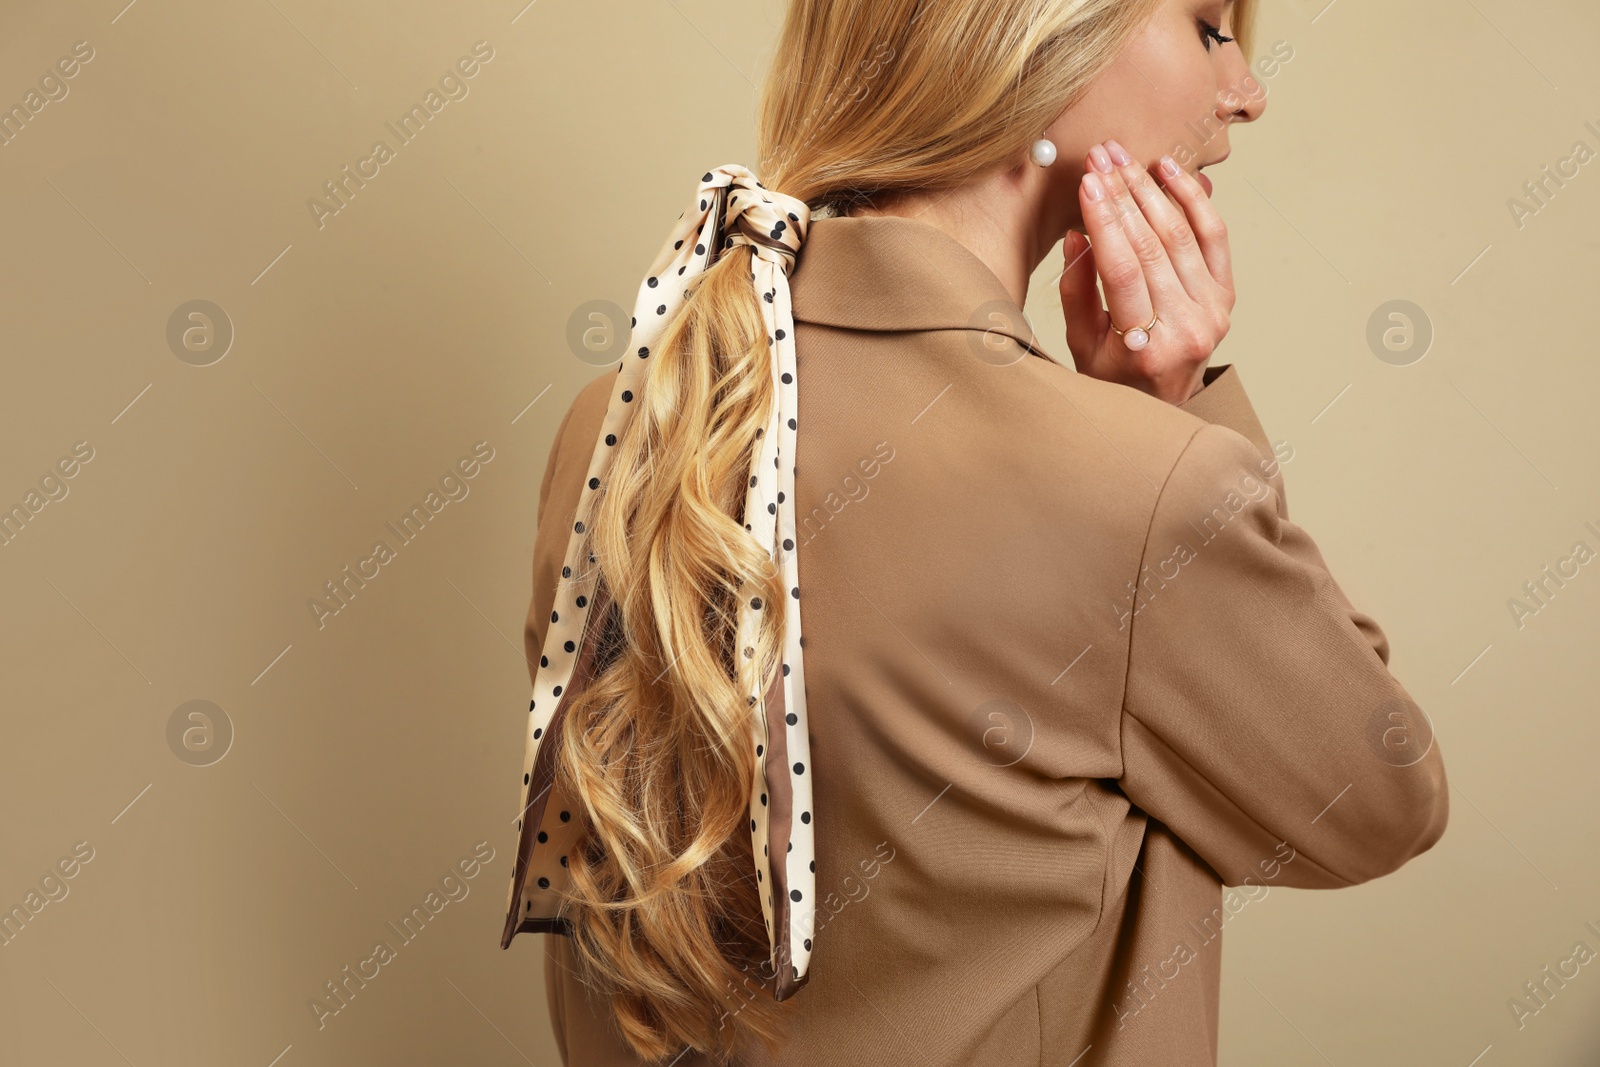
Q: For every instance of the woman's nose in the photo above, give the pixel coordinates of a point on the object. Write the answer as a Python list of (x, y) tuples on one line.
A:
[(1242, 99)]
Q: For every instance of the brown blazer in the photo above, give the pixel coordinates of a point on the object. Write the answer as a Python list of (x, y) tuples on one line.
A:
[(1070, 671)]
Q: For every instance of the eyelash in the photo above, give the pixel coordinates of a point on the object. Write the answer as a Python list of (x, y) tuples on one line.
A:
[(1212, 33)]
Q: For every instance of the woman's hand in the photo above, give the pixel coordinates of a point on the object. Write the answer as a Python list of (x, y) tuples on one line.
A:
[(1155, 258)]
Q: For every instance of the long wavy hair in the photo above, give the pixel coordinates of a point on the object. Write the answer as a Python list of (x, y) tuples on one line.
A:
[(865, 98)]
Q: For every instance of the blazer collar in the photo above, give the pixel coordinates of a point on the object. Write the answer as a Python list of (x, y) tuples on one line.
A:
[(885, 272)]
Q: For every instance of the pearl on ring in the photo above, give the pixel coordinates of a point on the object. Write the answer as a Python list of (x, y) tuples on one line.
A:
[(1138, 336), (1043, 151)]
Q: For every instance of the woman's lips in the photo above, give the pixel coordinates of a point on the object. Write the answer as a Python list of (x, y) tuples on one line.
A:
[(1205, 183)]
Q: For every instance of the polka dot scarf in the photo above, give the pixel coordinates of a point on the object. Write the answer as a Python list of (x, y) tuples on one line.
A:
[(730, 207)]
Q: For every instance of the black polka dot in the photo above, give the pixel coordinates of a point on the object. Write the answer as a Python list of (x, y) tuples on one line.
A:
[(791, 718), (554, 617), (788, 544), (594, 483), (643, 352), (556, 691), (538, 732), (627, 396), (808, 944), (543, 837), (805, 816), (544, 883), (678, 244), (652, 283), (662, 310), (524, 778), (699, 250), (763, 797), (794, 894), (570, 647), (795, 592), (781, 335), (583, 600), (752, 826), (755, 602), (787, 377), (786, 670), (799, 768), (566, 816)]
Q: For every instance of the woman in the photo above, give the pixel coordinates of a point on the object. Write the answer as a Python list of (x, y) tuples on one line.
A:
[(1067, 668)]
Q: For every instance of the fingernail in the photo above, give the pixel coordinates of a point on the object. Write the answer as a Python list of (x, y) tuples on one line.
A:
[(1091, 184), (1101, 161), (1118, 154), (1168, 167)]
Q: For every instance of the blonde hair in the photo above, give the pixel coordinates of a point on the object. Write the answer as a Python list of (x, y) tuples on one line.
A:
[(864, 98)]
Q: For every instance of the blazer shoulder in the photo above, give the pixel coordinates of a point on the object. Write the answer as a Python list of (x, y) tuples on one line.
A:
[(1133, 419), (588, 408), (580, 427), (1148, 432)]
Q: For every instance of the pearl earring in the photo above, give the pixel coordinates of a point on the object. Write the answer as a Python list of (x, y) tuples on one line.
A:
[(1043, 151)]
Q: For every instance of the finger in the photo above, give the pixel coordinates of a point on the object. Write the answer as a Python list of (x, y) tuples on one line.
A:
[(1080, 299), (1209, 230), (1121, 274), (1169, 222), (1167, 292)]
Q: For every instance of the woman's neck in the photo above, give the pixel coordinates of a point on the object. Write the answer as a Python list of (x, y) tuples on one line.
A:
[(1001, 218)]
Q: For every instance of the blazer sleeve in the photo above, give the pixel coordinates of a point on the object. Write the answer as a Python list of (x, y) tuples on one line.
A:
[(1259, 714)]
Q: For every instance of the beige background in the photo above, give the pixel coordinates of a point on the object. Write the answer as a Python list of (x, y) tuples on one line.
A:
[(371, 754)]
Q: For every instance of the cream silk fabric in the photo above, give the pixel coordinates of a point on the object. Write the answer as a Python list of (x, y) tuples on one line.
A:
[(730, 207)]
